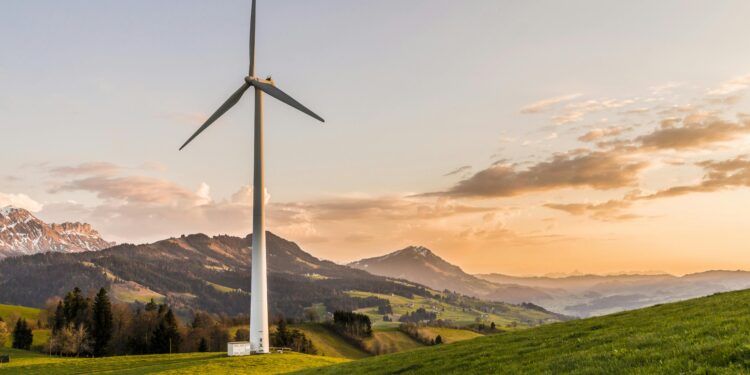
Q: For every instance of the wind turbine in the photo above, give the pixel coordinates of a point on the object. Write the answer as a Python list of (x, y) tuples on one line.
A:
[(259, 288)]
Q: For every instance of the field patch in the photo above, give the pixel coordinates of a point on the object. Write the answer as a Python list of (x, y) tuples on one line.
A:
[(23, 362)]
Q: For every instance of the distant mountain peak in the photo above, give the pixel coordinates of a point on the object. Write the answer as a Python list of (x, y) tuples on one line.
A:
[(417, 250), (22, 233), (419, 264)]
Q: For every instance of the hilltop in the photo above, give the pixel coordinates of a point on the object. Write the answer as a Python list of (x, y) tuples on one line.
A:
[(704, 335)]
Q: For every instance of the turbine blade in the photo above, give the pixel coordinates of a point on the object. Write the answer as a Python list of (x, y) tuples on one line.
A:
[(252, 40), (219, 112), (274, 91)]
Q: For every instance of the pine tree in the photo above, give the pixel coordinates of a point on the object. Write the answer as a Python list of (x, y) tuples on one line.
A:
[(59, 322), (22, 335), (151, 306), (203, 345), (166, 338), (102, 323)]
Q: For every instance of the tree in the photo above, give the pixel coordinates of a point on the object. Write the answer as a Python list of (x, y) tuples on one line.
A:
[(203, 346), (492, 326), (75, 307), (242, 334), (102, 323), (438, 340), (151, 306), (4, 333), (59, 322), (22, 335), (166, 338)]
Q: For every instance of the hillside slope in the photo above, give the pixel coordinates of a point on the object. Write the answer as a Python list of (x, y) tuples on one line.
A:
[(704, 335)]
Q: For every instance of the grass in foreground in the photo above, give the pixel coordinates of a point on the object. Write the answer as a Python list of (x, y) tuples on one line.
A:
[(23, 362), (705, 335)]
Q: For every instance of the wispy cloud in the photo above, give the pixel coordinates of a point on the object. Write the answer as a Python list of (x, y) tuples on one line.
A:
[(547, 104)]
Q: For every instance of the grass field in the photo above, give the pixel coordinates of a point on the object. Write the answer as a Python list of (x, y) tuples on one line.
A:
[(449, 335), (329, 344), (390, 340), (23, 362), (705, 335), (28, 313)]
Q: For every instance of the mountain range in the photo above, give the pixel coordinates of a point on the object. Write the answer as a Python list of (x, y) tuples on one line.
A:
[(578, 295), (22, 233), (198, 272)]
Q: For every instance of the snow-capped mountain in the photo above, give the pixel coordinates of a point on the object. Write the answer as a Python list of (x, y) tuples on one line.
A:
[(21, 233)]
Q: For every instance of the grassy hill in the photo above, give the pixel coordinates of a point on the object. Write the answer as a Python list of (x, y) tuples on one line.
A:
[(24, 362), (705, 335), (28, 313)]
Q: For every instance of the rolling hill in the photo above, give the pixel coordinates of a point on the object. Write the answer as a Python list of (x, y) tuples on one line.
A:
[(704, 335)]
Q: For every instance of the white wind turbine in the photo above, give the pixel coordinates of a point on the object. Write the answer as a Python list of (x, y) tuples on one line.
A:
[(259, 288)]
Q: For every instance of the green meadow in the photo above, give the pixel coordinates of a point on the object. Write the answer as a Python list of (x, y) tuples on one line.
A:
[(709, 335)]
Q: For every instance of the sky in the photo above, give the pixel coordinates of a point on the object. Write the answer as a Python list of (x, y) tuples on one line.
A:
[(507, 136)]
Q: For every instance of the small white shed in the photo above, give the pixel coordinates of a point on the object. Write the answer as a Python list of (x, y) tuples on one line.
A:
[(239, 348)]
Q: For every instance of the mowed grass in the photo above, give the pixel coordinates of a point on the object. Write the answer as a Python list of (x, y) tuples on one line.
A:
[(23, 362), (705, 335)]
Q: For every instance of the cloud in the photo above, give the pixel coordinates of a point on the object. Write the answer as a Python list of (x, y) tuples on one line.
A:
[(458, 171), (730, 91), (612, 210), (599, 133), (98, 168), (546, 104), (573, 169), (576, 111), (20, 201), (719, 175), (695, 131), (134, 190)]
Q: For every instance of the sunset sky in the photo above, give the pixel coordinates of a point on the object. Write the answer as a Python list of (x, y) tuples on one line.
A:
[(507, 136)]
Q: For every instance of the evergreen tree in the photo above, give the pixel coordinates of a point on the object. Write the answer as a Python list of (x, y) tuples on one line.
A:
[(102, 322), (75, 307), (151, 306), (59, 322), (492, 326), (22, 335), (203, 346), (438, 340), (166, 338)]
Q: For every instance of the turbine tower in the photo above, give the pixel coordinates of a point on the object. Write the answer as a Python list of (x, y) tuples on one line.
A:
[(259, 289)]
